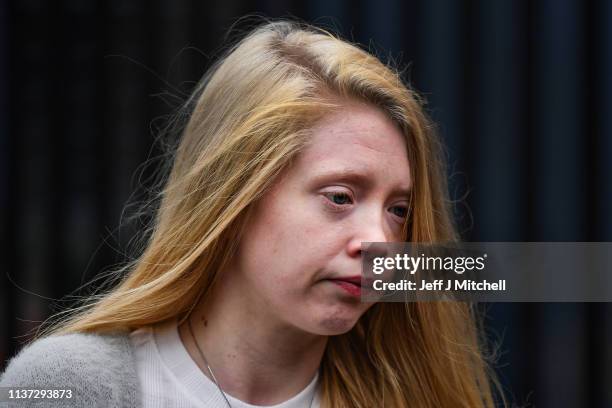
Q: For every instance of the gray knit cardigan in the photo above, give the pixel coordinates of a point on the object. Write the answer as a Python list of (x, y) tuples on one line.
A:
[(99, 368)]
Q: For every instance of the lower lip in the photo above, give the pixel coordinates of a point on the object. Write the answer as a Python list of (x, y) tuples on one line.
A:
[(351, 289)]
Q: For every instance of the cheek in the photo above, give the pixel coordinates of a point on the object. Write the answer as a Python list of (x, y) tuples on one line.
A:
[(288, 241), (285, 239), (273, 259), (286, 268)]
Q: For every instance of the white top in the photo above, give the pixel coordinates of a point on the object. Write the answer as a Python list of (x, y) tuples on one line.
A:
[(170, 378)]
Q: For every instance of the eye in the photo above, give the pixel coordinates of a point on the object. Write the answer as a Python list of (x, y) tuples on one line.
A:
[(400, 211), (339, 198)]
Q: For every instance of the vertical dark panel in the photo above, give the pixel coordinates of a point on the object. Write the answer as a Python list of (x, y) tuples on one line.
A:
[(275, 8), (440, 73), (170, 31), (173, 61), (381, 26), (203, 37), (603, 84), (598, 314), (559, 183), (499, 131), (604, 134), (6, 202), (498, 168), (330, 13), (558, 75), (77, 211), (35, 66), (128, 103)]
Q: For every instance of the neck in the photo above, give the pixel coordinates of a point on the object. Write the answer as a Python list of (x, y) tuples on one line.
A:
[(254, 357)]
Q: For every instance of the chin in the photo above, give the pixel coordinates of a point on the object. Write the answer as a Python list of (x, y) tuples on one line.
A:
[(334, 327), (331, 320), (335, 324)]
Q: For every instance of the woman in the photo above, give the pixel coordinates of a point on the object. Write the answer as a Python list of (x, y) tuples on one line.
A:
[(299, 147)]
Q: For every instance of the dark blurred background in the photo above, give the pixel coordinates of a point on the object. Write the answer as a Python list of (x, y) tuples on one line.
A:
[(521, 90)]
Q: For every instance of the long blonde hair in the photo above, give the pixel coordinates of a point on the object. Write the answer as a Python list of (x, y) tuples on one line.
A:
[(250, 117)]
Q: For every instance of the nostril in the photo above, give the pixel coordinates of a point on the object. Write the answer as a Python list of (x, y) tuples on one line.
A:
[(371, 250)]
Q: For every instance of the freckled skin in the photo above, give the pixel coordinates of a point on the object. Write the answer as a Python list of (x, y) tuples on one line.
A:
[(296, 240)]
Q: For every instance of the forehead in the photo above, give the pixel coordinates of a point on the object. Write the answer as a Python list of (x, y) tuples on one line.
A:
[(358, 136)]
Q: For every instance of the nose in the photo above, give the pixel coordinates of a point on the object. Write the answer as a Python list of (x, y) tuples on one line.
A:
[(369, 238)]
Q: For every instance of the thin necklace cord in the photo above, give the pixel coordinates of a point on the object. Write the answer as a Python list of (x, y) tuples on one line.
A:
[(212, 375), (206, 362)]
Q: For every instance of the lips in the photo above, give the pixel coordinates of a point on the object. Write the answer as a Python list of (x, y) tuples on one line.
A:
[(353, 285), (349, 287)]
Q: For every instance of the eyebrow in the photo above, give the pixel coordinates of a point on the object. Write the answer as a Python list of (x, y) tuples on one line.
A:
[(357, 177)]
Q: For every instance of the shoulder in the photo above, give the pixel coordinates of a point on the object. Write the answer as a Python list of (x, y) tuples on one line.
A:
[(95, 366)]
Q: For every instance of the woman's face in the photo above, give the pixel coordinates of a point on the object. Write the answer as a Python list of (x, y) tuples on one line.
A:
[(302, 246)]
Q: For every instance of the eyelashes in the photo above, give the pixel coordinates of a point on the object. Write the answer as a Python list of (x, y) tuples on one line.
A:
[(404, 211), (337, 200), (344, 198)]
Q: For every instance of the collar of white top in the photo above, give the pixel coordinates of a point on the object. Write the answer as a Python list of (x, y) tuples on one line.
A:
[(199, 386)]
